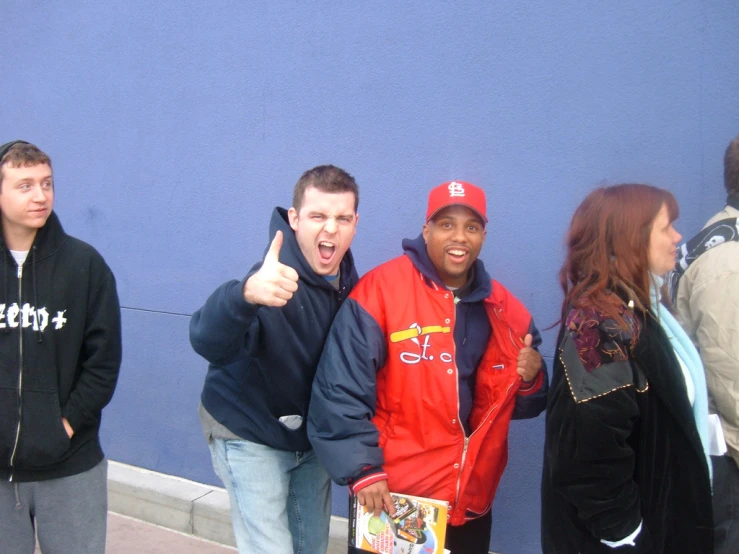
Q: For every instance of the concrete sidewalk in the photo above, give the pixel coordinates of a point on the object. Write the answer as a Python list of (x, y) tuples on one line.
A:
[(153, 513), (131, 536)]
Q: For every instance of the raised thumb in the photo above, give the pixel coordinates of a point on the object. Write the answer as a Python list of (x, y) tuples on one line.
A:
[(273, 254)]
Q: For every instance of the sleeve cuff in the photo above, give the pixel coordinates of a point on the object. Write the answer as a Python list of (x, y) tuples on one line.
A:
[(367, 477), (626, 540), (531, 387)]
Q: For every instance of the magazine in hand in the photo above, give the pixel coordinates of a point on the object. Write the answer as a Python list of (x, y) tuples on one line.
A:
[(419, 527)]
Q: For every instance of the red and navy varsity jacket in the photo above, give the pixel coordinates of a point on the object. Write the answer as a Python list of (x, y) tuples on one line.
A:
[(385, 399)]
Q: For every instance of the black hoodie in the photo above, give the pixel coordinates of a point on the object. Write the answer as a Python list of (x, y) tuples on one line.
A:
[(263, 359), (60, 353)]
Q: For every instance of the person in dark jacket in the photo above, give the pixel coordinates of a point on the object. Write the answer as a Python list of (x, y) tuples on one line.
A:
[(263, 337), (60, 353), (424, 368), (626, 465)]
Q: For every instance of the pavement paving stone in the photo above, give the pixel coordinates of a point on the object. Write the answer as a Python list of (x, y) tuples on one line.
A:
[(127, 535)]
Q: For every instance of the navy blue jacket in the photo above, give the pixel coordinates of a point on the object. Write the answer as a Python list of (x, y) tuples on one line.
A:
[(263, 359)]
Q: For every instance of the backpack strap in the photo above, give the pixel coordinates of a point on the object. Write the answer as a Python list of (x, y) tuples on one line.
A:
[(724, 230)]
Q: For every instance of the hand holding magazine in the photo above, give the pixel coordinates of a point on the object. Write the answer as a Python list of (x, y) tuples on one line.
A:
[(419, 527)]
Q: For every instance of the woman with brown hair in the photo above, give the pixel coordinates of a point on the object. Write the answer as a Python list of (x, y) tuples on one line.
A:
[(626, 457)]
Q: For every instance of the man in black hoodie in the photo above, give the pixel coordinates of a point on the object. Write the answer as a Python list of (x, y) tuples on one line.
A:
[(60, 353), (263, 337)]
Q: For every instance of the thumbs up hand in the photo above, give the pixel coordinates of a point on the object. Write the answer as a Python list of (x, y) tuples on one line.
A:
[(274, 283), (529, 360)]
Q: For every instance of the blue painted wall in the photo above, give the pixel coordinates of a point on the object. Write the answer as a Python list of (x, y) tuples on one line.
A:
[(175, 127)]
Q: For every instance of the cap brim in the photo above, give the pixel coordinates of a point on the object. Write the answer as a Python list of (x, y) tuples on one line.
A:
[(482, 217)]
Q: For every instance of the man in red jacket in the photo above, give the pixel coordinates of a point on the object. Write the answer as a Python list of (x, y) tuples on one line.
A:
[(425, 365)]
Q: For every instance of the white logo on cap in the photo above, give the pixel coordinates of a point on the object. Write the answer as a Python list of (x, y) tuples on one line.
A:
[(455, 189)]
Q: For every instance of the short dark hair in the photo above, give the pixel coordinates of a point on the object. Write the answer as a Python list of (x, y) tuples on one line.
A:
[(23, 154), (731, 167), (326, 178)]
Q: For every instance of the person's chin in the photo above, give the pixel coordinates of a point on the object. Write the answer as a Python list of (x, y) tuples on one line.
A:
[(457, 271), (322, 269), (333, 270)]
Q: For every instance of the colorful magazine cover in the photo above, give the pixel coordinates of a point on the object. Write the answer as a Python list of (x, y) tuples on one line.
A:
[(419, 527)]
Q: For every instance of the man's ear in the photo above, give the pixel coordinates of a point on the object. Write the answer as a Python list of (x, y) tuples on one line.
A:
[(425, 232), (292, 217)]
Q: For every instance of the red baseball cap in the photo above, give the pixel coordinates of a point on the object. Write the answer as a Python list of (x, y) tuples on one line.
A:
[(455, 193)]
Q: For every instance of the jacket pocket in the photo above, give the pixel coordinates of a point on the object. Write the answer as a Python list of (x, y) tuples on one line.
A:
[(43, 439), (497, 383)]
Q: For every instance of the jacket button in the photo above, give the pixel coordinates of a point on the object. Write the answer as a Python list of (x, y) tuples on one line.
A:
[(450, 371), (447, 320), (446, 295), (454, 422), (456, 466)]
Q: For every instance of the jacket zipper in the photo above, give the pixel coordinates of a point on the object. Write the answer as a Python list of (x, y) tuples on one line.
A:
[(487, 415), (461, 469), (459, 421), (20, 378), (466, 443)]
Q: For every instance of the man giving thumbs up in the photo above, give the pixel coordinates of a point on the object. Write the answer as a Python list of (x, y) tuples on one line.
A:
[(263, 337)]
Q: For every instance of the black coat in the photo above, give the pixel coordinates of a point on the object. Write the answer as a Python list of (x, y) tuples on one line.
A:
[(622, 445)]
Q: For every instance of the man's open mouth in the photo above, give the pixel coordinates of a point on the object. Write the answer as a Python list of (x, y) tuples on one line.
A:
[(457, 254), (326, 250)]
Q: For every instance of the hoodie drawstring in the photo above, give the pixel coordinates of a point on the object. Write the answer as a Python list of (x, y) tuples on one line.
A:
[(39, 334), (468, 307), (18, 504)]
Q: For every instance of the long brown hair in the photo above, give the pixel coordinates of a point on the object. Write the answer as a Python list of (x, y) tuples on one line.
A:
[(607, 260)]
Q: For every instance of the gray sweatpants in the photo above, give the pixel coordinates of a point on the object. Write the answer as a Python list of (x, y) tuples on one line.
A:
[(69, 514)]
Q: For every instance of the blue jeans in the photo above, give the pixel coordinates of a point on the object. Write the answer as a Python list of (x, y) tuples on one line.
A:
[(280, 500)]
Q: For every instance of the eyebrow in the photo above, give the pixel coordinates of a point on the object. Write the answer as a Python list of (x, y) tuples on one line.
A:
[(350, 214), (452, 218), (44, 178)]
